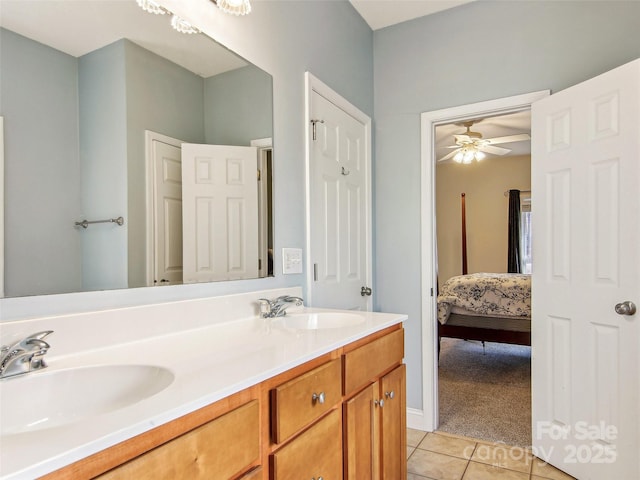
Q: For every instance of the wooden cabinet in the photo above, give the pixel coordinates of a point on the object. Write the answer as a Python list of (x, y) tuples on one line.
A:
[(393, 435), (361, 437), (339, 415), (316, 453), (375, 416), (227, 446), (302, 400)]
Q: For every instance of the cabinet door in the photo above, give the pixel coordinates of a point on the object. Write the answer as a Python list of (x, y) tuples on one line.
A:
[(361, 459), (393, 425), (316, 453), (220, 449)]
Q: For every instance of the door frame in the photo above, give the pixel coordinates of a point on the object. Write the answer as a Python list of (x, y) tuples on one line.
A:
[(313, 84), (427, 419), (264, 145), (150, 207)]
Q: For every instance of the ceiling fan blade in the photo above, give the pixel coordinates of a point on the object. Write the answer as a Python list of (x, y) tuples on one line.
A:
[(493, 150), (449, 155), (521, 137)]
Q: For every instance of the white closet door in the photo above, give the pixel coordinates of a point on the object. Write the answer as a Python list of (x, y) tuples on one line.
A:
[(220, 212)]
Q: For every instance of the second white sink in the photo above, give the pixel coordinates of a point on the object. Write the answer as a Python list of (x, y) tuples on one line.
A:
[(320, 320), (48, 399)]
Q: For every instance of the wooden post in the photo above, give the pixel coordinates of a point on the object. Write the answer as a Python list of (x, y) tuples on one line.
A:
[(464, 236)]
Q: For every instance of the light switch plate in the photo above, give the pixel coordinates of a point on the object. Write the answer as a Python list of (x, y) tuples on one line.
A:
[(291, 260)]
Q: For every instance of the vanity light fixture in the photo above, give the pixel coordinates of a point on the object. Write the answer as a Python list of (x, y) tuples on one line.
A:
[(234, 7), (182, 26), (152, 7), (178, 23)]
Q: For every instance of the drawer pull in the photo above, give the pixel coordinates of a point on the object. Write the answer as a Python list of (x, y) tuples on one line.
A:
[(318, 397), (390, 394)]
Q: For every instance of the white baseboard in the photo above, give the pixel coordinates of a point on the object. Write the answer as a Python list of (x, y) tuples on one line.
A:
[(417, 421)]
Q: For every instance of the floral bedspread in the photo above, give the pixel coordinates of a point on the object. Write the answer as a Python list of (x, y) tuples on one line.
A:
[(487, 294)]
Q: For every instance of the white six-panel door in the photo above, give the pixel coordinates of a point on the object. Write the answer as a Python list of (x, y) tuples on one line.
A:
[(586, 233), (167, 213), (220, 212), (339, 207)]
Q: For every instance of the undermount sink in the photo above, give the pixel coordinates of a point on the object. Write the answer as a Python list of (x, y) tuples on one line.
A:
[(48, 399), (320, 320)]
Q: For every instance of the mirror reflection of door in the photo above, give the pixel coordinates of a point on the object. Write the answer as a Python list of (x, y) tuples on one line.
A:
[(208, 211)]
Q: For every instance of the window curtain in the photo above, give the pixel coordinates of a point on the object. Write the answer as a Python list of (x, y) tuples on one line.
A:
[(513, 252)]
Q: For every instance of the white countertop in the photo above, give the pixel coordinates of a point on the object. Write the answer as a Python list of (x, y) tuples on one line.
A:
[(208, 364)]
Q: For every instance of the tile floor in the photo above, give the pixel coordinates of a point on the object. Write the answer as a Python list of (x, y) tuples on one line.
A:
[(443, 456)]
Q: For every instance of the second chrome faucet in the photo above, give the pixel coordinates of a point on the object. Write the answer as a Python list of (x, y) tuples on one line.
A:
[(278, 306)]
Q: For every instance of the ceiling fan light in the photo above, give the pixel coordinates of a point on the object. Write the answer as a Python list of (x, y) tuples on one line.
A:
[(468, 156), (479, 155), (458, 157), (234, 7), (151, 7)]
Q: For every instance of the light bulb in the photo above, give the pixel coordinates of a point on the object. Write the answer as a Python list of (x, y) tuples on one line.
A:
[(480, 155), (468, 156), (458, 157), (182, 25), (235, 7), (151, 7)]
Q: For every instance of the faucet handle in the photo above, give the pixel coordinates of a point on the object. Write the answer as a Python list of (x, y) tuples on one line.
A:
[(265, 307)]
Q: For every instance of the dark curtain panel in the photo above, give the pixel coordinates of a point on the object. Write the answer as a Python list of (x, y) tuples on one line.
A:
[(513, 253)]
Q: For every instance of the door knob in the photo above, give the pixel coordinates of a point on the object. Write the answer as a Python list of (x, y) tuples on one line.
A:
[(626, 308), (365, 291)]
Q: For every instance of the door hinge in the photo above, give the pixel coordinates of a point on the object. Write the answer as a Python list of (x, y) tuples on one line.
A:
[(315, 272), (313, 123), (259, 174), (432, 291)]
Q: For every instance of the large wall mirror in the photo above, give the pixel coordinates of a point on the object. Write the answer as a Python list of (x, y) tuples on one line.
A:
[(162, 138)]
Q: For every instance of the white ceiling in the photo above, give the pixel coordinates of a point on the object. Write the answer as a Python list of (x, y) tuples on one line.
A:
[(382, 13), (82, 26), (490, 127)]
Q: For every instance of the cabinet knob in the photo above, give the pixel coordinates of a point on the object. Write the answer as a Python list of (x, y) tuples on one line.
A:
[(318, 397), (379, 403), (390, 394)]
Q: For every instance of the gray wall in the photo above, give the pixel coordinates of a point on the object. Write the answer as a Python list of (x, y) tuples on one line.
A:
[(38, 84), (480, 51), (165, 98), (238, 106), (103, 156)]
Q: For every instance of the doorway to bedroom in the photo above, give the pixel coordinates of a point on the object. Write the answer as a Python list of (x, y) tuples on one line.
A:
[(483, 248), (480, 384)]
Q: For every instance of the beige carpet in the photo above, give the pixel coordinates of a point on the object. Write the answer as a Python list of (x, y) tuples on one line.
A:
[(485, 395)]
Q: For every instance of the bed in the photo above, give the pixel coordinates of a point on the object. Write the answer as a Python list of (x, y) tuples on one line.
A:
[(489, 307)]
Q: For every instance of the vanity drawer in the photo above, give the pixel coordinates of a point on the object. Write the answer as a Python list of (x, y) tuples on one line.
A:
[(365, 363), (222, 448), (314, 454), (300, 401)]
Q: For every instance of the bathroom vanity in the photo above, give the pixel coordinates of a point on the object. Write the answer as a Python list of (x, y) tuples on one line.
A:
[(300, 396)]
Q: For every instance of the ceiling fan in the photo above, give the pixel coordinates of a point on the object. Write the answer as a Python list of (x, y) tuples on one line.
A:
[(471, 146)]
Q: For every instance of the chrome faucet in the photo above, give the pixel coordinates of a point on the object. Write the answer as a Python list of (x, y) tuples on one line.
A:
[(24, 356), (277, 307)]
